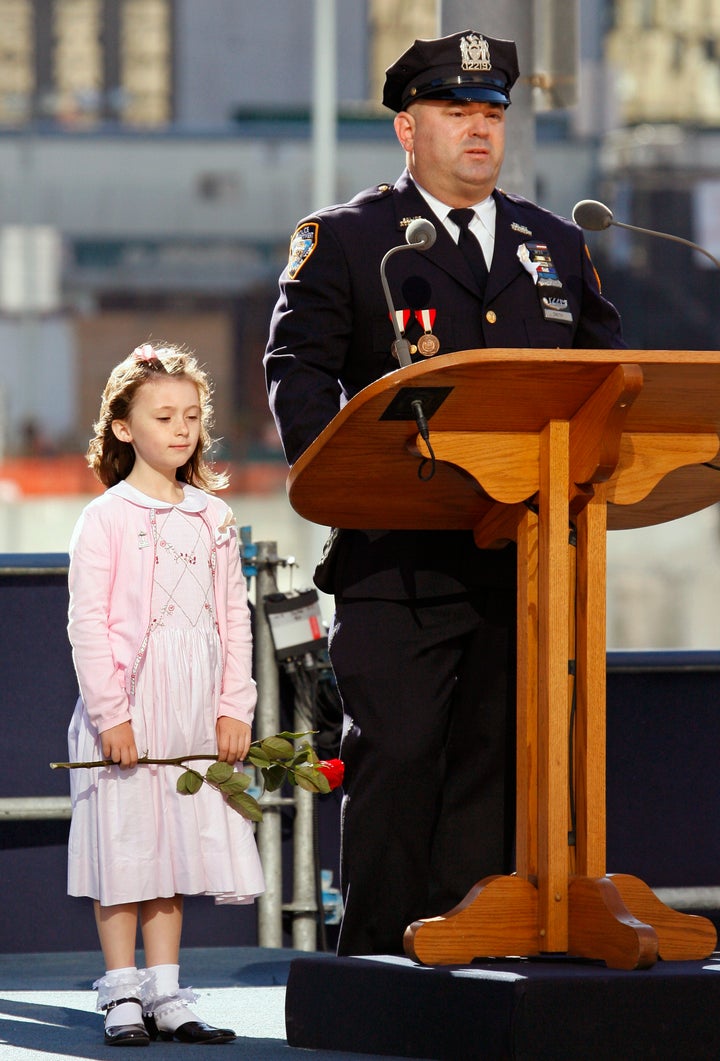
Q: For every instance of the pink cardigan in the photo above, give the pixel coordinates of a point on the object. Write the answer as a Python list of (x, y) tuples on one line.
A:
[(112, 560)]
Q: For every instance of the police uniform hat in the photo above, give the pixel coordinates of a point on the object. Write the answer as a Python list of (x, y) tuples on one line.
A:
[(464, 66)]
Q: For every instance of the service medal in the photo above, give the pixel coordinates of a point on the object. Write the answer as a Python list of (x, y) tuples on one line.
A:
[(428, 344)]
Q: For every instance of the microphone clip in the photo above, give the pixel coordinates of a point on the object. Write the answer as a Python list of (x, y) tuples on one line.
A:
[(402, 351)]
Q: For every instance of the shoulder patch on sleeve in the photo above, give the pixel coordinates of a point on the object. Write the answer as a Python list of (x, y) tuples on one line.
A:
[(302, 244)]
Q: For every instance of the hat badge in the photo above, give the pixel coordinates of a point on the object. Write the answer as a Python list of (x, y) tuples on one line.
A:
[(475, 53)]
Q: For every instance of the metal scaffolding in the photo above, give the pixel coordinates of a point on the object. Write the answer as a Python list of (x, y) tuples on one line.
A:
[(261, 560)]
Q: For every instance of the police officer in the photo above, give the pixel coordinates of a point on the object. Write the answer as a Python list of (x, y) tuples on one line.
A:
[(422, 641)]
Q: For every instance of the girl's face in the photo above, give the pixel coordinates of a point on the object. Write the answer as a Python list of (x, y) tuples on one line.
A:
[(163, 425)]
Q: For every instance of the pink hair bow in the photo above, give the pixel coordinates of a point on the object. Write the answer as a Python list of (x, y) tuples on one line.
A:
[(146, 352)]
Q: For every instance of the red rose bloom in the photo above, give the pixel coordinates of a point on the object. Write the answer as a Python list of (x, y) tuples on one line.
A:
[(333, 769)]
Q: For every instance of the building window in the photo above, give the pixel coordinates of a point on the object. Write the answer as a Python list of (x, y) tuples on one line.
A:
[(80, 63), (394, 25), (17, 61), (76, 61), (145, 62)]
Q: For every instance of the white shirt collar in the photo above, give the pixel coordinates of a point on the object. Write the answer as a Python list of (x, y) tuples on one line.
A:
[(482, 225), (484, 210)]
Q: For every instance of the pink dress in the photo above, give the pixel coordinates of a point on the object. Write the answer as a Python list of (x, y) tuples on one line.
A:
[(133, 836)]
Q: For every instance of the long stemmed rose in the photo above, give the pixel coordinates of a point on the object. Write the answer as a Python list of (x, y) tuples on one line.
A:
[(277, 758)]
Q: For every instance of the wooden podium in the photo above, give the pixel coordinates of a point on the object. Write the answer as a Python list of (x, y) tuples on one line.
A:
[(549, 448)]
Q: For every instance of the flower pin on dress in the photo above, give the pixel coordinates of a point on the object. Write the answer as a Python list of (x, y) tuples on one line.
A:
[(224, 531)]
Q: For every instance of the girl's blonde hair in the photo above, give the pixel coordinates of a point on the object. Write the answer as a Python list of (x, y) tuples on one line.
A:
[(113, 460)]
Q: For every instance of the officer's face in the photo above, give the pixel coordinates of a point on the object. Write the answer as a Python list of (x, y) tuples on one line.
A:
[(455, 150)]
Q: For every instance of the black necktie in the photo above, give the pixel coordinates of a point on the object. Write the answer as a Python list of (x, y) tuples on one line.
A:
[(470, 247)]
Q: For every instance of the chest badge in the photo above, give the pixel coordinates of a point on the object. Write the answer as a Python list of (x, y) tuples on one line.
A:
[(554, 303)]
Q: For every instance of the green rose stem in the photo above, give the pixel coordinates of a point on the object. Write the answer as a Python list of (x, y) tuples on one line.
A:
[(142, 761), (277, 758)]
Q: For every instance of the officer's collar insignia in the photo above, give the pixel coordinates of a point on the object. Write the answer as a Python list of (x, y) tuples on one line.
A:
[(303, 243), (520, 228), (475, 53), (406, 220)]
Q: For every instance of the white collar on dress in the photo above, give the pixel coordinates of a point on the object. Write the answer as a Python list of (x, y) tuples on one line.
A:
[(194, 499)]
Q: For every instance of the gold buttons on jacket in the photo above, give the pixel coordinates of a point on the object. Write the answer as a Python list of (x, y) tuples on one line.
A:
[(491, 316)]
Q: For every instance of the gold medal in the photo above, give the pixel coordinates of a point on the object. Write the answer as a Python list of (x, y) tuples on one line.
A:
[(428, 344)]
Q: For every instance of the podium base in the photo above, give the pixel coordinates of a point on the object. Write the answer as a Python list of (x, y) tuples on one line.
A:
[(524, 1009)]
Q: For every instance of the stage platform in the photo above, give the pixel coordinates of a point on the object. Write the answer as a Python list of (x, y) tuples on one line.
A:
[(315, 1007), (47, 1007), (497, 1010)]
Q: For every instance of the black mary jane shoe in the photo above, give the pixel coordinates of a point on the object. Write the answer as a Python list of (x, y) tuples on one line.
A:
[(126, 1034), (193, 1031)]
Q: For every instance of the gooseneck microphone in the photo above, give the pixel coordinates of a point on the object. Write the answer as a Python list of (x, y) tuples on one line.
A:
[(594, 216), (420, 233), (420, 236)]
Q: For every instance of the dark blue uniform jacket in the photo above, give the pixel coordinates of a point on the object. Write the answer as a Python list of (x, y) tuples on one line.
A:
[(331, 335)]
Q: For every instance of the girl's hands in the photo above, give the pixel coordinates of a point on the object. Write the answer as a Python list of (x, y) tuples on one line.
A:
[(233, 739), (118, 744)]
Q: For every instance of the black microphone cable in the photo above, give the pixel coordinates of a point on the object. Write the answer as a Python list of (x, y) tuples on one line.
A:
[(422, 426)]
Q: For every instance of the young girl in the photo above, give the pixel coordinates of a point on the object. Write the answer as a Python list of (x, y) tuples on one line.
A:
[(160, 632)]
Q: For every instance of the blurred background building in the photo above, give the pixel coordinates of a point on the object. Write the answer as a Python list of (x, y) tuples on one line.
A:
[(155, 156)]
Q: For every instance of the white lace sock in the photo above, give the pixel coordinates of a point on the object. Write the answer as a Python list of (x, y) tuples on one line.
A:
[(115, 984), (169, 1002)]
